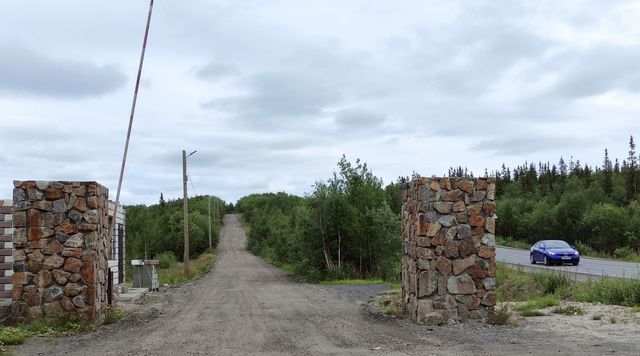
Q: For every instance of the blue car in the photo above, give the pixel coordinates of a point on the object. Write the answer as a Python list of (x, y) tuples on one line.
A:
[(554, 252)]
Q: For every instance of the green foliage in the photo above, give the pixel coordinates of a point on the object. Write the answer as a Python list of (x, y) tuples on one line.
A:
[(624, 252), (499, 316), (113, 314), (610, 291), (538, 303), (595, 208), (517, 285), (551, 282), (569, 310), (509, 242), (175, 272), (9, 336), (166, 259), (15, 335), (155, 229), (345, 228)]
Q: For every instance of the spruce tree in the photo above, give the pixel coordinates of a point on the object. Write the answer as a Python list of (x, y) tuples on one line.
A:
[(632, 170), (607, 171)]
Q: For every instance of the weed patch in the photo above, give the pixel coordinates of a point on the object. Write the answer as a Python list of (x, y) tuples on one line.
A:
[(175, 273), (499, 316), (569, 310)]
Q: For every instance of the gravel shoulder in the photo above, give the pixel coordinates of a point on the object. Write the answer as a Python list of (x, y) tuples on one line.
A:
[(247, 306)]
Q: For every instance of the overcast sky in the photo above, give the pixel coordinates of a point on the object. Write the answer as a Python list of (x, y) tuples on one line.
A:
[(272, 93)]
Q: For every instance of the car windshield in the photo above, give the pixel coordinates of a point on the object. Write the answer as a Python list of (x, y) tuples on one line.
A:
[(556, 244)]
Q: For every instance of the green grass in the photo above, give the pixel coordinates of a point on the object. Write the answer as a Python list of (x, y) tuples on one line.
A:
[(16, 335), (175, 273), (499, 316), (509, 242), (113, 314), (532, 307), (568, 310), (391, 303), (516, 285), (527, 313), (390, 283)]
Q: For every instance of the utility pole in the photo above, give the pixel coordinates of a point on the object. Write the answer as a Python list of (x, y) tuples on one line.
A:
[(210, 247), (185, 207)]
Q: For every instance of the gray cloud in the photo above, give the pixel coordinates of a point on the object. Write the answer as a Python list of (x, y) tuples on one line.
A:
[(521, 145), (278, 95), (215, 70), (596, 70), (358, 119), (26, 72)]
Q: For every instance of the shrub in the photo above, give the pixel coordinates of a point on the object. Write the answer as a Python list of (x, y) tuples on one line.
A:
[(624, 292), (166, 259), (569, 310), (113, 314), (552, 282), (499, 316), (624, 252)]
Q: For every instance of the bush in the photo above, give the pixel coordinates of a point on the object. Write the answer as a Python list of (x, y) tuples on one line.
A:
[(499, 316), (569, 310), (552, 282), (166, 259), (624, 252), (624, 292)]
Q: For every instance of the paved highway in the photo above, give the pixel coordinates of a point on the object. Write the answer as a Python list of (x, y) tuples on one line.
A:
[(587, 267)]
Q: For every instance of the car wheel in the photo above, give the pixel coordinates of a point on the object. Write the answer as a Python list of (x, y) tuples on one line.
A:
[(575, 263), (532, 259), (545, 260)]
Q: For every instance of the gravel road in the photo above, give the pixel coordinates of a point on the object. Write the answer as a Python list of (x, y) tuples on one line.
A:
[(247, 306)]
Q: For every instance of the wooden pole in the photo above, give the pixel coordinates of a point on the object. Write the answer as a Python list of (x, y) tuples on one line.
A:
[(185, 207)]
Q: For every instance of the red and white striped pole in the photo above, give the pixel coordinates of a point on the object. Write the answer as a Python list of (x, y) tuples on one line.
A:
[(133, 110)]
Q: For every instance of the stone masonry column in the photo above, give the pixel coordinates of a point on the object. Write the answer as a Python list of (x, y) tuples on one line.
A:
[(61, 247), (448, 264)]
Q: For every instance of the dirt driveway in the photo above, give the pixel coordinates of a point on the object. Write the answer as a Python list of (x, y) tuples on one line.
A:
[(246, 306)]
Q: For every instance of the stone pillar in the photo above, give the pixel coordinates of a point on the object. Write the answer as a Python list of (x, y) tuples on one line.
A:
[(61, 247), (448, 263), (6, 247)]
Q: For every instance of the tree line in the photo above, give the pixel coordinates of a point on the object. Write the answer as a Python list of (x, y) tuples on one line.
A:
[(594, 205), (152, 230), (347, 227)]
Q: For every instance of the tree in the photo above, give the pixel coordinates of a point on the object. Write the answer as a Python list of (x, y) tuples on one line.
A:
[(632, 170), (607, 170)]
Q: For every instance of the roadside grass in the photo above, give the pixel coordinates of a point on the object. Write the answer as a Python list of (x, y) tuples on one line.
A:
[(533, 306), (16, 335), (113, 314), (391, 283), (174, 273), (622, 254), (568, 310), (499, 316), (509, 242), (545, 289), (391, 303)]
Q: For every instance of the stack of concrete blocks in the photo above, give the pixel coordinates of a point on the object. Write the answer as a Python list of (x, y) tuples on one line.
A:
[(6, 247), (449, 265), (61, 245)]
